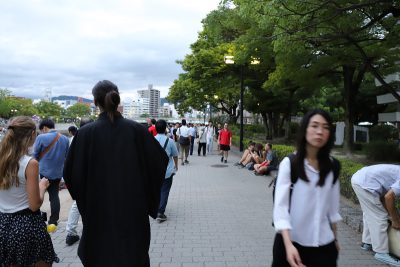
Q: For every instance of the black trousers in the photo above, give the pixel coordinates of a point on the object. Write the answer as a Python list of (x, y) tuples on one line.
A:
[(323, 256), (54, 198), (202, 145)]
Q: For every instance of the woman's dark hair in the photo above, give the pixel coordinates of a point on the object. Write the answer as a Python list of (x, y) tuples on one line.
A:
[(161, 126), (106, 96), (323, 156)]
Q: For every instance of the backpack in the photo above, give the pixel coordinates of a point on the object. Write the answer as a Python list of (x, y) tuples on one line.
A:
[(294, 177)]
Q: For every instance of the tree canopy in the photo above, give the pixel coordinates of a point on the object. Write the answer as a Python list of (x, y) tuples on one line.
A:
[(312, 53)]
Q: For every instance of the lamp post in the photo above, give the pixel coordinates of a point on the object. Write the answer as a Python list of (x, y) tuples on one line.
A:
[(230, 60)]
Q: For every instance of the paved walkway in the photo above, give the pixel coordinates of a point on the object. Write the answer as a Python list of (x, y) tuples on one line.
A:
[(218, 215)]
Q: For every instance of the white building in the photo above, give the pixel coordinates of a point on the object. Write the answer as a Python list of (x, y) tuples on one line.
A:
[(153, 96), (133, 109), (65, 104)]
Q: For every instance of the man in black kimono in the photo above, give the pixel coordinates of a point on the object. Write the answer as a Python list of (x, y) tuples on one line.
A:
[(114, 170)]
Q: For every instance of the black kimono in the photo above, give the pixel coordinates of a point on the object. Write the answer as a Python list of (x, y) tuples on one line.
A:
[(114, 171)]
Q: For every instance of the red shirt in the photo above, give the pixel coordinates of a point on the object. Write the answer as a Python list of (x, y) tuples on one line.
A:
[(152, 130), (225, 137)]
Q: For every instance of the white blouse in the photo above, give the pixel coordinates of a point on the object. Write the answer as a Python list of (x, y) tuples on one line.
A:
[(313, 208)]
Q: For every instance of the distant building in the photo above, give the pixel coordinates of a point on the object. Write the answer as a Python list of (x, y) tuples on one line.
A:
[(65, 104), (133, 109), (153, 96)]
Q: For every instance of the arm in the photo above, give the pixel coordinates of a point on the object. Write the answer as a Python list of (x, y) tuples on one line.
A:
[(37, 148), (35, 189), (176, 163), (292, 255), (390, 198)]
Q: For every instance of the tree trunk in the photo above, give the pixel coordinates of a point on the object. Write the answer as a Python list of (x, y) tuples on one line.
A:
[(265, 123), (349, 96), (275, 125)]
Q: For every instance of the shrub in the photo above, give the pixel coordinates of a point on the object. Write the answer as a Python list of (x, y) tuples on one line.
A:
[(383, 132), (282, 150), (382, 151), (348, 168)]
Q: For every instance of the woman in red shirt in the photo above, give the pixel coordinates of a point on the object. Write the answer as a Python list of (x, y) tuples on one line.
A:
[(225, 142)]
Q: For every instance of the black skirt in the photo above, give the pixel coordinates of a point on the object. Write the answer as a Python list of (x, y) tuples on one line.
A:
[(24, 239)]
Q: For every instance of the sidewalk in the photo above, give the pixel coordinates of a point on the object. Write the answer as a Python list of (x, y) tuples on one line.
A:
[(218, 215)]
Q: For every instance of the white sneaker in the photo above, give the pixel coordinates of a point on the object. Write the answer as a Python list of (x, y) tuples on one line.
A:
[(386, 258)]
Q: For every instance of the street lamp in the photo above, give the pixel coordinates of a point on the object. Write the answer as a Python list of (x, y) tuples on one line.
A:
[(230, 60)]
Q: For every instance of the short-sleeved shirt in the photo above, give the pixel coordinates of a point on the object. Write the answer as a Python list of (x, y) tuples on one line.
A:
[(171, 151), (183, 131), (379, 179), (225, 137), (272, 158), (152, 130)]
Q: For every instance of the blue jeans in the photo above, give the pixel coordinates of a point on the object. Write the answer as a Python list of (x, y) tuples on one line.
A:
[(165, 188)]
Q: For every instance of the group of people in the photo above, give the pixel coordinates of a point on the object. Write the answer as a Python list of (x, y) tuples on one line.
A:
[(258, 158), (114, 170), (119, 175)]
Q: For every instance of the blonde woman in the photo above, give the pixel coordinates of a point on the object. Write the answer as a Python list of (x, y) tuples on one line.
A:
[(24, 240)]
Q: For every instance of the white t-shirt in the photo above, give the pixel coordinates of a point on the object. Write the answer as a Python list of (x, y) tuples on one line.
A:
[(183, 131), (16, 198)]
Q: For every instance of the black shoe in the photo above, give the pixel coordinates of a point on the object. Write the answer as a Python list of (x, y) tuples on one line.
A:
[(226, 161), (161, 218), (186, 161), (71, 239), (222, 159)]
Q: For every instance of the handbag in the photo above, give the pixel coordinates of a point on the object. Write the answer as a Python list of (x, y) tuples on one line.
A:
[(184, 140), (394, 241)]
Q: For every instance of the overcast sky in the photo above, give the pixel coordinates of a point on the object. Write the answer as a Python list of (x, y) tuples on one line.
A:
[(69, 45)]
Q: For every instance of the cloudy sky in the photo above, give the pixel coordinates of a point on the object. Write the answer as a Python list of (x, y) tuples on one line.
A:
[(67, 46)]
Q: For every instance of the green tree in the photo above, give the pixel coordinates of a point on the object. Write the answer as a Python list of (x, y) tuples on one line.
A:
[(48, 109), (330, 40), (78, 110)]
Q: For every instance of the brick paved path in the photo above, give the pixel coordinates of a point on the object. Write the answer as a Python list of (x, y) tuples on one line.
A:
[(218, 216)]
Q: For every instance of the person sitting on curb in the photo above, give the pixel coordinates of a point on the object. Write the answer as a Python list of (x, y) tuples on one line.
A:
[(270, 163), (377, 187), (254, 157), (246, 153)]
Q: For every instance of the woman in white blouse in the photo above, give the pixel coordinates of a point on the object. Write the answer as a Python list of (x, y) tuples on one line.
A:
[(305, 219)]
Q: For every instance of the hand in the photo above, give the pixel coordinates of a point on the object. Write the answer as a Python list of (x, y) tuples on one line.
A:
[(293, 257), (44, 183), (337, 245), (396, 225)]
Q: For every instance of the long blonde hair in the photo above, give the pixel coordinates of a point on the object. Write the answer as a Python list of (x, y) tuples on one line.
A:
[(14, 145)]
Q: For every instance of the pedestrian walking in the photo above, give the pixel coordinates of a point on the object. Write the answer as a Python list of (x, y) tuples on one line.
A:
[(50, 149), (305, 216), (192, 135), (114, 170), (24, 240), (377, 188), (73, 215), (202, 141), (210, 133), (184, 141), (172, 153), (225, 142)]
